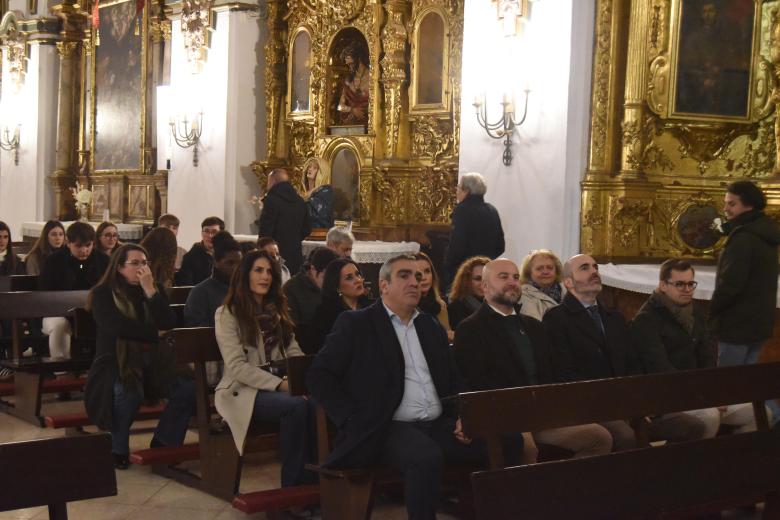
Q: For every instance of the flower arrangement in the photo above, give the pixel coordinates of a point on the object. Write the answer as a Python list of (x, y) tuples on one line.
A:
[(83, 197), (257, 201)]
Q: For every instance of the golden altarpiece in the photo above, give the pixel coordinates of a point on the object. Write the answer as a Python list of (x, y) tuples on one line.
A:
[(685, 100), (364, 95)]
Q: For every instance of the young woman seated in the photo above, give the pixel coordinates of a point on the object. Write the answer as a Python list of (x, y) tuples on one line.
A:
[(253, 329), (131, 313), (466, 294), (430, 300), (52, 239)]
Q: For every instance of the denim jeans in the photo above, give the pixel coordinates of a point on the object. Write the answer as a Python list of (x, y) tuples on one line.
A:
[(730, 354), (172, 427), (297, 435)]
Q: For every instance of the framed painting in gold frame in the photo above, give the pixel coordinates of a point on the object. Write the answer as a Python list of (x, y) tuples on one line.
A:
[(118, 95), (429, 90), (299, 74)]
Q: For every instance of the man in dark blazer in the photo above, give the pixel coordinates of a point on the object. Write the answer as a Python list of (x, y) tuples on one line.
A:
[(590, 341), (285, 218), (381, 377), (497, 347)]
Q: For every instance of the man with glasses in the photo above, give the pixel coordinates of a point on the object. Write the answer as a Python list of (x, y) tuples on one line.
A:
[(670, 333), (197, 264)]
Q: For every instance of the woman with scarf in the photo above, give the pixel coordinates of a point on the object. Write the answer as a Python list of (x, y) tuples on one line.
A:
[(131, 313), (253, 330), (430, 299), (343, 289), (466, 294), (541, 275)]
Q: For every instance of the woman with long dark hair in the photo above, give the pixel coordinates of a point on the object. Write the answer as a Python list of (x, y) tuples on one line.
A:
[(9, 264), (466, 294), (431, 301), (52, 238), (131, 313), (342, 290), (253, 329), (161, 244)]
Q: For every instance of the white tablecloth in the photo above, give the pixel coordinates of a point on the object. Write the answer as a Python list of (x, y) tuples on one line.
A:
[(643, 278), (126, 231), (363, 252)]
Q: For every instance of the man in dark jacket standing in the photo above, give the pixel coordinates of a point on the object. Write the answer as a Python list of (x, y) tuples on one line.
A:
[(476, 226), (285, 218), (742, 310)]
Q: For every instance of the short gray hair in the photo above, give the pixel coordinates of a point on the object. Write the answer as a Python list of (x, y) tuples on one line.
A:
[(473, 182), (387, 268), (338, 234)]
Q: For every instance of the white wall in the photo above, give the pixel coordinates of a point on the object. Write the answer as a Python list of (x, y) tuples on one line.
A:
[(25, 193), (538, 196), (229, 93)]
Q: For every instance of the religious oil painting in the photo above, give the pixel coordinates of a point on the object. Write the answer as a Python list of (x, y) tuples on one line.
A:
[(118, 85), (138, 201), (351, 75), (696, 229), (345, 174), (430, 60), (714, 58), (300, 73), (99, 199)]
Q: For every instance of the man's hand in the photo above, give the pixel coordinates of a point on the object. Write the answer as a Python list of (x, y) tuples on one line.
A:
[(459, 433)]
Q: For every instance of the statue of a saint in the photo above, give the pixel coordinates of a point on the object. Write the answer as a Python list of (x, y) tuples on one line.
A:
[(353, 103)]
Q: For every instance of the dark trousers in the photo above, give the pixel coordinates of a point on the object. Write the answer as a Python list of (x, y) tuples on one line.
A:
[(419, 451)]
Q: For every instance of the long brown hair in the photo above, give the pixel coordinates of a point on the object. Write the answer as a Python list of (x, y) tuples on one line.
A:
[(161, 244), (434, 276), (102, 227), (461, 284), (241, 303), (42, 249), (111, 277), (10, 257)]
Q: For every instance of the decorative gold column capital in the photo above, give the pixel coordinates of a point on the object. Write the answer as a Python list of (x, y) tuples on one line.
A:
[(65, 49)]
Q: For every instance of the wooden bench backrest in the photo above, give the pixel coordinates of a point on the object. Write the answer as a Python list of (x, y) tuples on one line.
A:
[(39, 304), (56, 471), (489, 414), (18, 282), (637, 483), (178, 294)]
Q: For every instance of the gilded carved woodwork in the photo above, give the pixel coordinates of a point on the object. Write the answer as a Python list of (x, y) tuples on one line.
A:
[(15, 42), (658, 161), (407, 159), (195, 27)]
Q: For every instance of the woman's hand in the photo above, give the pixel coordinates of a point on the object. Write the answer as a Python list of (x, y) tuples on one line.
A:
[(146, 280), (284, 386)]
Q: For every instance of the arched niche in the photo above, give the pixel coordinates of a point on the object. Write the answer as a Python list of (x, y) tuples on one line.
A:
[(349, 81), (345, 180), (299, 74), (429, 89)]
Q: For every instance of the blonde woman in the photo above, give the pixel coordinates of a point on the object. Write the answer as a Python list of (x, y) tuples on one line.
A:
[(541, 275)]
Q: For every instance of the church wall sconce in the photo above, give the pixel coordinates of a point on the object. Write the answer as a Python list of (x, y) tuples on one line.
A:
[(186, 132), (505, 127), (9, 142)]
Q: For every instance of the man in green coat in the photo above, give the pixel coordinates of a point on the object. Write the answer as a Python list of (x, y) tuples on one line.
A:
[(743, 305)]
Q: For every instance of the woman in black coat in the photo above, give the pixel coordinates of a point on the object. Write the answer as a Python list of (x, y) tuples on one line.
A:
[(342, 290), (131, 313)]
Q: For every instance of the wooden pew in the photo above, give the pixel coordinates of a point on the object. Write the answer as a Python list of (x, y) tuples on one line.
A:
[(178, 295), (56, 471), (29, 373), (643, 483), (490, 414), (20, 282)]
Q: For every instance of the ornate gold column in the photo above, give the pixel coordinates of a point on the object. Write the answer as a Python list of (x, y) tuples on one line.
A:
[(394, 78), (74, 22), (275, 82), (633, 141)]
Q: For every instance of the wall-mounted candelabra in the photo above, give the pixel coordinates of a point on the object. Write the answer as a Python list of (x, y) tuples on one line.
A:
[(10, 142), (187, 133), (505, 126)]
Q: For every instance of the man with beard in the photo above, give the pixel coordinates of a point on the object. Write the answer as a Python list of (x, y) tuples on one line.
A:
[(497, 347), (353, 103), (590, 341)]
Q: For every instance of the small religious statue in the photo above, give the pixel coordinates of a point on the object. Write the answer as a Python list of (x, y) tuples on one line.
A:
[(318, 194), (353, 103)]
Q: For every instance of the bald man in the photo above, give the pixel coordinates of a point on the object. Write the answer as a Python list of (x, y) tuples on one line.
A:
[(497, 347), (590, 341), (285, 218)]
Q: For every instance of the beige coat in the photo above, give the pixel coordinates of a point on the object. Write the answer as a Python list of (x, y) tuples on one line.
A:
[(535, 303), (242, 376)]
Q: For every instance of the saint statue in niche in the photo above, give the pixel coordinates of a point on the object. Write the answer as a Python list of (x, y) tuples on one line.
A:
[(318, 194), (352, 108)]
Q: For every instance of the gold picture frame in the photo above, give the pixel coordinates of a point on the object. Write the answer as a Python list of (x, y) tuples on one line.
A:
[(299, 76), (423, 61), (104, 117)]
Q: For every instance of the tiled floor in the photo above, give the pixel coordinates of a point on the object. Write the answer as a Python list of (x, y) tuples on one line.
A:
[(146, 496)]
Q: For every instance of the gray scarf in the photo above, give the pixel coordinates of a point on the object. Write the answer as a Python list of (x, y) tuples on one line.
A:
[(682, 314)]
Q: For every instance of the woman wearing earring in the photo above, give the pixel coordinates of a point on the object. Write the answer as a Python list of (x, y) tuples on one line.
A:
[(342, 290), (131, 313), (253, 329)]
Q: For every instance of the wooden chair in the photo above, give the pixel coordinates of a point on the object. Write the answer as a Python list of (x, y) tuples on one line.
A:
[(56, 471)]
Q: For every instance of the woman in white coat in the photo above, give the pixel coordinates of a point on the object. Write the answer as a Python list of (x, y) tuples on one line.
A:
[(253, 328), (541, 275)]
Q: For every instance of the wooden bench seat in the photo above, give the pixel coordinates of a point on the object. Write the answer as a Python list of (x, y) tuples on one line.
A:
[(643, 483), (166, 456), (50, 386), (277, 499), (56, 471)]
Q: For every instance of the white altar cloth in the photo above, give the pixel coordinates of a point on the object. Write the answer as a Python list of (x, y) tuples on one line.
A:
[(363, 252), (126, 231)]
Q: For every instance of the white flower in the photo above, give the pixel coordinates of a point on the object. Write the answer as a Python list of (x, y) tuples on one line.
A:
[(81, 194), (717, 224)]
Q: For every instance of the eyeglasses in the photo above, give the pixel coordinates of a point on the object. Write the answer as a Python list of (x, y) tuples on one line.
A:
[(684, 285), (137, 263)]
